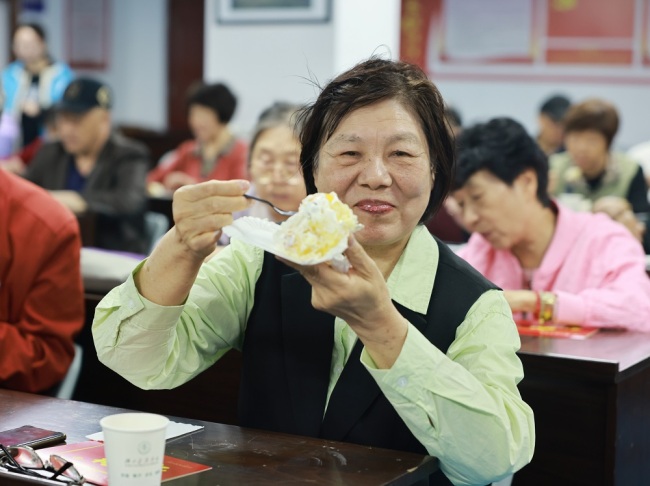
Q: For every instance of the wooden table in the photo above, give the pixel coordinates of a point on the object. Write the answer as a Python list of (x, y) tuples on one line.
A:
[(237, 455), (591, 400)]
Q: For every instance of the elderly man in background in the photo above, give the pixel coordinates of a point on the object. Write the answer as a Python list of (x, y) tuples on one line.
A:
[(90, 169)]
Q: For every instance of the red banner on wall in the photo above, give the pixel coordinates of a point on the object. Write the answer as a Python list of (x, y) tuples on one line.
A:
[(585, 40)]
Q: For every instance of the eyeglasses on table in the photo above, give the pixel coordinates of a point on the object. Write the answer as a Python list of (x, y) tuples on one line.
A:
[(25, 460)]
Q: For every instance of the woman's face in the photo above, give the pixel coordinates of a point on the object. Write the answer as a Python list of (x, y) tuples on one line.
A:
[(588, 149), (28, 46), (204, 123), (377, 161), (495, 210), (275, 169)]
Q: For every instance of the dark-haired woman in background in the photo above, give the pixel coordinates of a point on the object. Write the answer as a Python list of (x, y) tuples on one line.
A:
[(214, 153), (31, 84), (553, 263), (411, 349)]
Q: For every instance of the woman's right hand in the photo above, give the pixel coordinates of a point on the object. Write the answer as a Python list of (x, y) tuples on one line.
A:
[(201, 210)]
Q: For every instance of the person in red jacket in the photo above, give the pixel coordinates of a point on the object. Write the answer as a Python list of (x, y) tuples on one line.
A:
[(214, 153), (41, 291)]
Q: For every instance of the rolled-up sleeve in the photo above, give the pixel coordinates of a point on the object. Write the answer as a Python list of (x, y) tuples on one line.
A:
[(155, 346)]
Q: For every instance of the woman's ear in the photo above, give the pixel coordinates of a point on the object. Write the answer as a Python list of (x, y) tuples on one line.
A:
[(527, 183)]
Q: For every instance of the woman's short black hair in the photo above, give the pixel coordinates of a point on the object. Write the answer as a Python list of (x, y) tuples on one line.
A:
[(217, 97), (369, 82), (504, 148), (40, 32), (555, 107)]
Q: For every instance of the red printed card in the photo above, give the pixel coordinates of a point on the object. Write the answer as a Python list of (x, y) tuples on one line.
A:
[(89, 459), (527, 328)]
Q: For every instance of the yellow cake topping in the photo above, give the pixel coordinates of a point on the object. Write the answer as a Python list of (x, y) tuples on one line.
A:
[(322, 224)]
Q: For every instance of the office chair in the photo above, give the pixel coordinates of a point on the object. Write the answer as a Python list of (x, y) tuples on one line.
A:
[(65, 389)]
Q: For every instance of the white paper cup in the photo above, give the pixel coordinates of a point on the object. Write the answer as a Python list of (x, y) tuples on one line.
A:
[(134, 444)]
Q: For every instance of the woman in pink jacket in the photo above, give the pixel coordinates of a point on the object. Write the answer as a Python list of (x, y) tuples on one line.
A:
[(554, 265)]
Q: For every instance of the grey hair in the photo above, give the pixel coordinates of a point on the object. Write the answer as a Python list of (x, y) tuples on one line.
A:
[(280, 113)]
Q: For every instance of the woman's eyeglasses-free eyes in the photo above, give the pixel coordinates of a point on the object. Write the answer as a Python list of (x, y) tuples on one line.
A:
[(25, 460)]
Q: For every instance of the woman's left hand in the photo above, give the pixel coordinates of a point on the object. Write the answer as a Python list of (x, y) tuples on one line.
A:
[(360, 297), (521, 300)]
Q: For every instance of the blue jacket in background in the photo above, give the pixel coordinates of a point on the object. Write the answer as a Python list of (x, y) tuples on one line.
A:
[(15, 83)]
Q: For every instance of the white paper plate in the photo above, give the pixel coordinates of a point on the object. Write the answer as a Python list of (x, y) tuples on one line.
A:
[(260, 232)]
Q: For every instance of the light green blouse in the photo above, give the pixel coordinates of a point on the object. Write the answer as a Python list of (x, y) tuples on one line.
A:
[(463, 406)]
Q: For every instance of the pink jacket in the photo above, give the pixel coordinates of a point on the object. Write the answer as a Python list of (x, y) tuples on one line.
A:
[(594, 266)]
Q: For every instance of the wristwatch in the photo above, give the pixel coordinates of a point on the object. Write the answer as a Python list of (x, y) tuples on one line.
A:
[(547, 301)]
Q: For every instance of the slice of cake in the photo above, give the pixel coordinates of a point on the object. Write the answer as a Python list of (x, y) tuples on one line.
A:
[(320, 228)]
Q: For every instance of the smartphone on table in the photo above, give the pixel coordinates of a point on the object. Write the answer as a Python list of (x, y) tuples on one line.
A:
[(28, 435)]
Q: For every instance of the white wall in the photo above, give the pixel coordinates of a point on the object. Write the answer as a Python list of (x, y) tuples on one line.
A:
[(263, 63), (480, 101), (137, 67), (363, 28)]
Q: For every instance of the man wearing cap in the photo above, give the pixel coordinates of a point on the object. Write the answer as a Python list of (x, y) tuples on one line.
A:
[(90, 169)]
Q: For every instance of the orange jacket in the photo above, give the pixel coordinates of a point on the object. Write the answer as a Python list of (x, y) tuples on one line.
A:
[(41, 291)]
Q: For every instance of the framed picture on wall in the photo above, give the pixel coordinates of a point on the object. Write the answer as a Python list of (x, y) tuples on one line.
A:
[(88, 33), (272, 11)]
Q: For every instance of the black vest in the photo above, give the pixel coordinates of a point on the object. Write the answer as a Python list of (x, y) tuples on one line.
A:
[(287, 356)]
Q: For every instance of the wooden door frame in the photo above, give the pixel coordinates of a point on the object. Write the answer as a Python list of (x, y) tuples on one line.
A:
[(185, 47), (13, 21)]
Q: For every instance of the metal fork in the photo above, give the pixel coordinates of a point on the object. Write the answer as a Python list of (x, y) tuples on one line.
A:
[(277, 210)]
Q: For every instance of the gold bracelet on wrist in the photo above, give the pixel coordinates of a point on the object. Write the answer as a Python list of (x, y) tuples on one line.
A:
[(547, 307)]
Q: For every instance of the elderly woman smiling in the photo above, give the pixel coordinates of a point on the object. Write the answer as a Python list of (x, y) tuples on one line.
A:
[(411, 349)]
